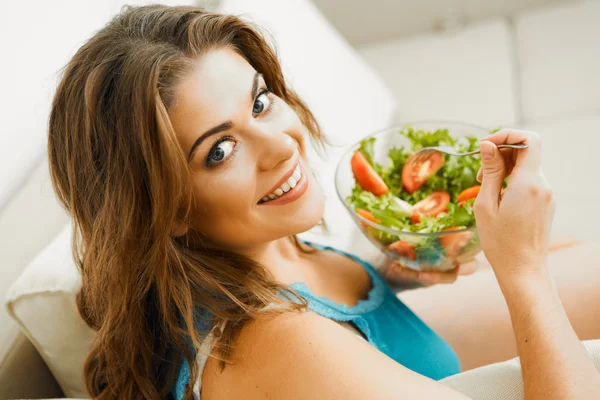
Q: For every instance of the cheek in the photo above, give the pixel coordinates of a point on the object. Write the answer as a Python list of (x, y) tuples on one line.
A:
[(290, 123), (222, 202)]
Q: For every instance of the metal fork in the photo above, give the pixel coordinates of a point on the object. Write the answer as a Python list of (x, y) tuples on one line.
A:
[(425, 152)]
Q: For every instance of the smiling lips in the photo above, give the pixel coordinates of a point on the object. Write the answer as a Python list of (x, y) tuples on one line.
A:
[(287, 182), (290, 187)]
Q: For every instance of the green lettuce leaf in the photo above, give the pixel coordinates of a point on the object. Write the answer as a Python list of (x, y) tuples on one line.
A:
[(456, 175)]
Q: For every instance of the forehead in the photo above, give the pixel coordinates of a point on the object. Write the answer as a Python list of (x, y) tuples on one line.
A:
[(213, 92)]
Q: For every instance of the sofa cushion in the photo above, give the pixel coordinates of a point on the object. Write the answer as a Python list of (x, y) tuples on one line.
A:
[(465, 75), (42, 301), (28, 222), (559, 59), (503, 381)]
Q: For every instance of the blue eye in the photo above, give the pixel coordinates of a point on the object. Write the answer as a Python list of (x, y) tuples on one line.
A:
[(262, 102), (220, 151)]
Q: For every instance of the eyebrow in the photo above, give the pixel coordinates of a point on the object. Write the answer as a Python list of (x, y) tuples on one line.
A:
[(225, 125)]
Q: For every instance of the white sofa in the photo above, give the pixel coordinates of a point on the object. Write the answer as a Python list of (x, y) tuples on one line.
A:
[(534, 69)]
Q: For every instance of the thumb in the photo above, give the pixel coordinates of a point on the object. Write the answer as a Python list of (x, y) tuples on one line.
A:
[(494, 172)]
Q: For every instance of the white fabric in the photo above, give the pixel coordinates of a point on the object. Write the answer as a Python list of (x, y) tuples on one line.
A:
[(559, 58), (348, 99), (53, 325), (29, 221), (465, 75), (503, 381), (42, 301)]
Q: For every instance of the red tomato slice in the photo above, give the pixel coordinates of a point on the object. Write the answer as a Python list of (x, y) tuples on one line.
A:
[(366, 176), (367, 215), (414, 174), (403, 249), (469, 193), (431, 205), (455, 242)]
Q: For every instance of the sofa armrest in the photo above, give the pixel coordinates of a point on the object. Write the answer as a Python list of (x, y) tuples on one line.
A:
[(23, 373)]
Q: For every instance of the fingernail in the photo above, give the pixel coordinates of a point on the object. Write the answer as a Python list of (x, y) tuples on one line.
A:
[(426, 277), (487, 151)]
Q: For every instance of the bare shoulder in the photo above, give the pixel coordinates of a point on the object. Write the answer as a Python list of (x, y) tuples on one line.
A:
[(299, 355)]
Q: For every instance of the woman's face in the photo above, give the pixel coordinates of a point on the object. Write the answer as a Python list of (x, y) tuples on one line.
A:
[(244, 145)]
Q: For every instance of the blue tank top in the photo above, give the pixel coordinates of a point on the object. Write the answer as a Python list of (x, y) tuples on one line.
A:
[(385, 321)]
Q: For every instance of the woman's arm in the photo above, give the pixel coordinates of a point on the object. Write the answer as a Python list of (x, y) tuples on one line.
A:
[(554, 363), (514, 233)]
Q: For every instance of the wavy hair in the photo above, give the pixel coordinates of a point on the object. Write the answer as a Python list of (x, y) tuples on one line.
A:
[(118, 169)]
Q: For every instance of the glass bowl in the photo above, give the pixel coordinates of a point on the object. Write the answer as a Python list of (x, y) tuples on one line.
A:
[(440, 251)]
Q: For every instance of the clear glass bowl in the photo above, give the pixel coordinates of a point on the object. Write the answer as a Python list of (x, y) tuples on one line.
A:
[(434, 251)]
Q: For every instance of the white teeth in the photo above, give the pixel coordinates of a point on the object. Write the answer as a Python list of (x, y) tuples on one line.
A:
[(287, 186), (292, 182)]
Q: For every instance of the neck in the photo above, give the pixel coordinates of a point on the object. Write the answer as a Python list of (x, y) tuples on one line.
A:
[(280, 257)]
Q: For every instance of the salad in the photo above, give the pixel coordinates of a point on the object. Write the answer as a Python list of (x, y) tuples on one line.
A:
[(430, 196)]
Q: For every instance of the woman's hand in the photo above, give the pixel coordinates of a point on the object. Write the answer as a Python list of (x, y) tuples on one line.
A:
[(513, 224), (398, 275)]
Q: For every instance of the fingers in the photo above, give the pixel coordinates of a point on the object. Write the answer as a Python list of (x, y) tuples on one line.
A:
[(494, 172), (399, 273), (468, 268), (510, 156), (527, 158), (435, 277)]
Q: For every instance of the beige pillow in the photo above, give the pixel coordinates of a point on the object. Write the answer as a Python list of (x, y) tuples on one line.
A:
[(42, 301)]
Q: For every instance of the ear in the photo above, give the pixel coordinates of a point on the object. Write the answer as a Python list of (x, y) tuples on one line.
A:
[(179, 228)]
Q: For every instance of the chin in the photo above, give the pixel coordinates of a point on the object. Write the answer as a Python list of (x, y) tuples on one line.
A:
[(312, 211)]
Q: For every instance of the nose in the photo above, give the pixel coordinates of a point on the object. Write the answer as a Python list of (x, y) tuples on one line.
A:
[(275, 148)]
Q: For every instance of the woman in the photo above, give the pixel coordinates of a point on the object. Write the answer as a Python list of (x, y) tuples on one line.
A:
[(172, 140)]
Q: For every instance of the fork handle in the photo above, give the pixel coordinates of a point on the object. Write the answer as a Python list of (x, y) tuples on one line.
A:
[(500, 146), (513, 146)]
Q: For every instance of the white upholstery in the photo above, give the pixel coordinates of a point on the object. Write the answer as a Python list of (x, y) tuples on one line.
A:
[(503, 381), (464, 75), (559, 56), (28, 223), (42, 301)]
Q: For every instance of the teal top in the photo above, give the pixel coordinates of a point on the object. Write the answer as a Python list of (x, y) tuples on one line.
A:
[(385, 321)]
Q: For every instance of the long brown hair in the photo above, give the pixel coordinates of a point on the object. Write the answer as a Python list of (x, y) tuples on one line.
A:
[(118, 169)]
